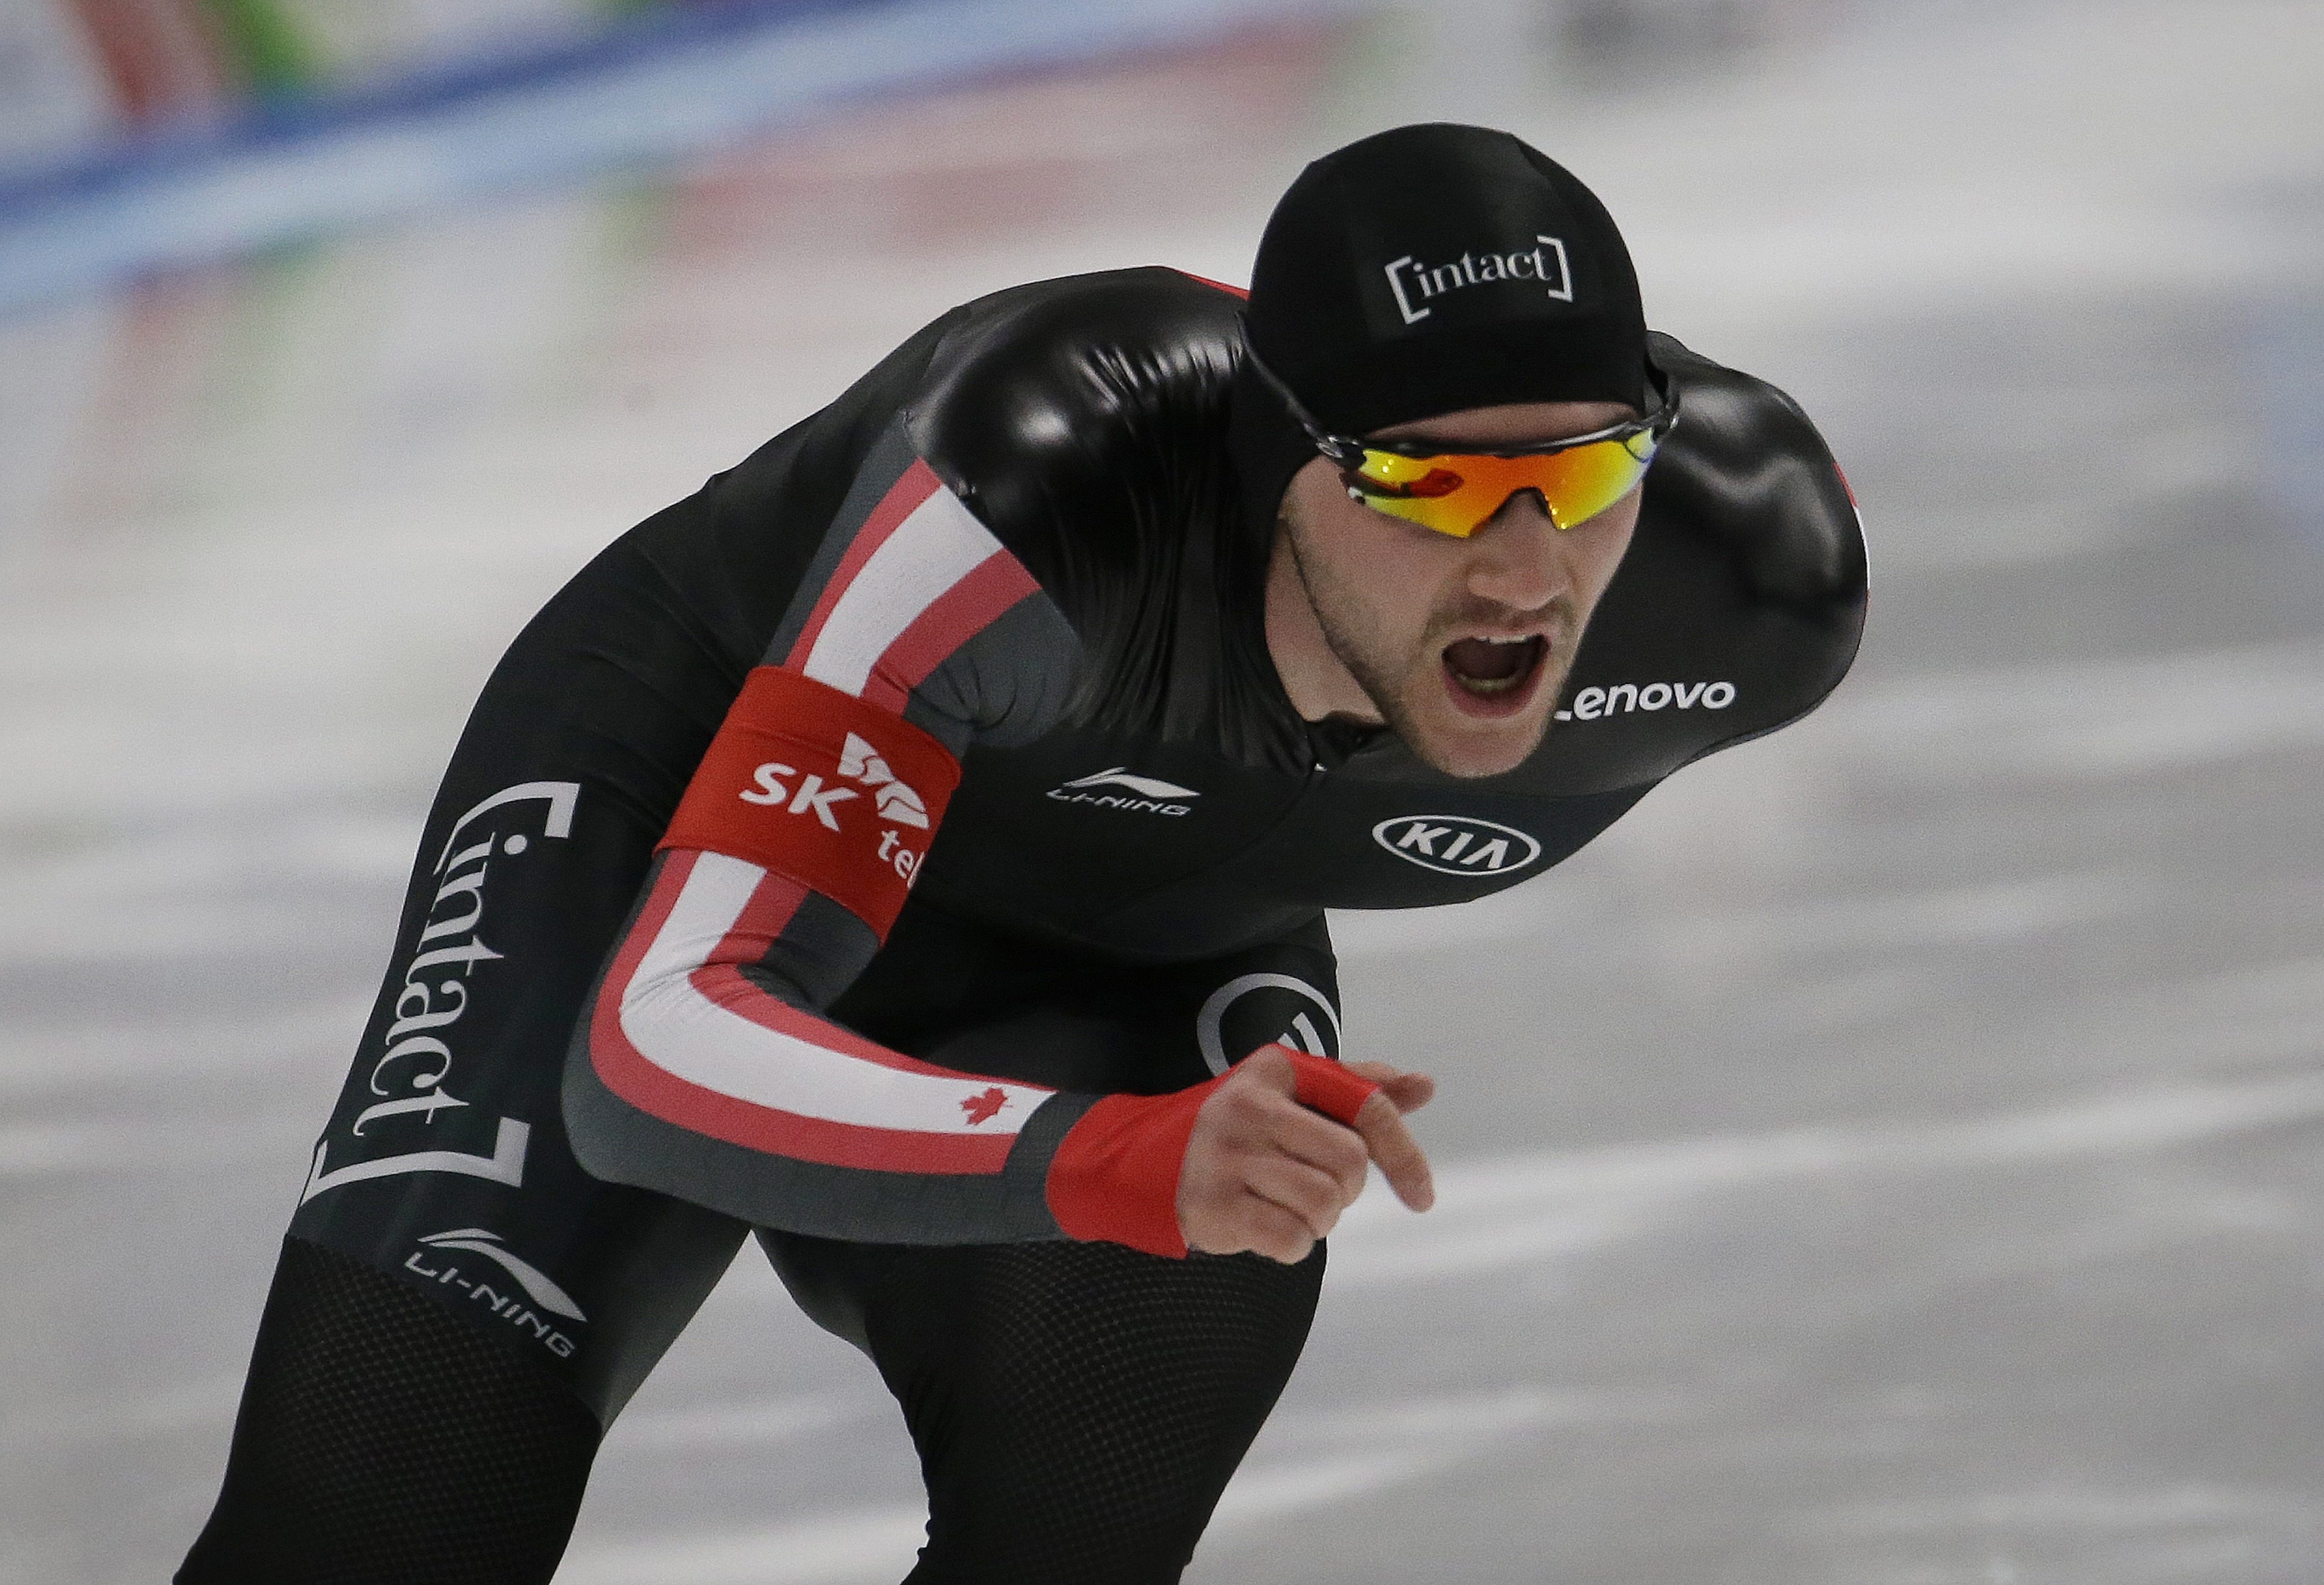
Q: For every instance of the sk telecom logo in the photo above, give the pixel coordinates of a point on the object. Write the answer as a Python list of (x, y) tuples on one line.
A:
[(898, 804), (1415, 283)]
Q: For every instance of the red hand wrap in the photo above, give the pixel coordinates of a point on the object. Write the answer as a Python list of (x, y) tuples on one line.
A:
[(1115, 1175), (1326, 1087)]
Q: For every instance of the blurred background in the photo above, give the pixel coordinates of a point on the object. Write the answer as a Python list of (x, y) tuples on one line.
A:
[(1889, 1157)]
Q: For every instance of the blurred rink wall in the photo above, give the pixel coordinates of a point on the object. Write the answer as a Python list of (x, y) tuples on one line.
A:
[(1889, 1157)]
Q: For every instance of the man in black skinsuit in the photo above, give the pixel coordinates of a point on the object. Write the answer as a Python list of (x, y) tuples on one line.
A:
[(914, 847)]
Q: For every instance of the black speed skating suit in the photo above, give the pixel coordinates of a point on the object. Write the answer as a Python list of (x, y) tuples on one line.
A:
[(1032, 540)]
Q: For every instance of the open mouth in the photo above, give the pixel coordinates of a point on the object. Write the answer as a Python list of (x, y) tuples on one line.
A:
[(1494, 670)]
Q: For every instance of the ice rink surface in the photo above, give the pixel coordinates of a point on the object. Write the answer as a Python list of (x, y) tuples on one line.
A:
[(1890, 1157)]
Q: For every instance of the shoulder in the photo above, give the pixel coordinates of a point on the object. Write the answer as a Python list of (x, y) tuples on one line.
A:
[(1746, 472), (1014, 397), (1084, 421), (1060, 414), (1076, 424), (1083, 417), (1740, 602), (1079, 346)]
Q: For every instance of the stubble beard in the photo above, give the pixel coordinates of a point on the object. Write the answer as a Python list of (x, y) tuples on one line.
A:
[(1362, 654)]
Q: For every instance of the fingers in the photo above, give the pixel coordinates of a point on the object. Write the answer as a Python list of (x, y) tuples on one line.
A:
[(1262, 1173), (1309, 1193), (1380, 1123), (1265, 1174), (1265, 1228), (1410, 1092), (1329, 1148), (1272, 1065), (1269, 1067), (1379, 1134), (1264, 1128), (1401, 1160)]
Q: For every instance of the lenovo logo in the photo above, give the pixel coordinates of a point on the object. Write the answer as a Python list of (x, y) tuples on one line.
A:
[(1622, 697)]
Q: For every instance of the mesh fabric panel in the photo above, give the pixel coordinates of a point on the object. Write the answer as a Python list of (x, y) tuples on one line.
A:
[(1092, 1405), (383, 1440)]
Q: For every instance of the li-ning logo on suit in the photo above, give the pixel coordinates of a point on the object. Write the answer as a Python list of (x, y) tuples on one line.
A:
[(1147, 795), (1415, 283), (535, 1282)]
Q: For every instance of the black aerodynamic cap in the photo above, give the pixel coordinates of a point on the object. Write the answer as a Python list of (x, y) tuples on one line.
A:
[(1435, 268)]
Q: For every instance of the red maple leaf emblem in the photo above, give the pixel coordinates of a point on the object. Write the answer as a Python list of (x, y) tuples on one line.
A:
[(985, 1106)]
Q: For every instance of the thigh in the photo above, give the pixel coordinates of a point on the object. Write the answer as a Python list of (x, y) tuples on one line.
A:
[(444, 1165), (459, 1308), (1077, 1408), (382, 1440)]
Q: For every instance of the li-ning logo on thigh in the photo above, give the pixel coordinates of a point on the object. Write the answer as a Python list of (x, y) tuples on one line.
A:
[(535, 1282), (1415, 283)]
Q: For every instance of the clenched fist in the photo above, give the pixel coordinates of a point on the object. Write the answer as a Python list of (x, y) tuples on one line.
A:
[(1264, 1172)]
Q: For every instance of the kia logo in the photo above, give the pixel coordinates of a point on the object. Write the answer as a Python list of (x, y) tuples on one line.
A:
[(1455, 844)]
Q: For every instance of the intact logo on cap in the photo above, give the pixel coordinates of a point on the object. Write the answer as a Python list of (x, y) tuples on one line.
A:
[(1415, 283)]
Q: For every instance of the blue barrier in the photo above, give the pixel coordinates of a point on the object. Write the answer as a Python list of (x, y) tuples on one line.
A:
[(678, 83)]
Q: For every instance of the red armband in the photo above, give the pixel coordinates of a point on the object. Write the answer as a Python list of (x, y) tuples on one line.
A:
[(819, 786)]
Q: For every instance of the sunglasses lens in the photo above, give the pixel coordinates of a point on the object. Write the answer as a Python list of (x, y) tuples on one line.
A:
[(1459, 494), (1577, 485), (1386, 477)]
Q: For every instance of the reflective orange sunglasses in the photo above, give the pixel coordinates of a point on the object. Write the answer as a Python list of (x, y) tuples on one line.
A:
[(1459, 492)]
